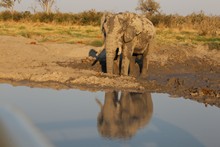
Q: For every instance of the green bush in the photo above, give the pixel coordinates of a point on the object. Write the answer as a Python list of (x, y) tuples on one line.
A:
[(203, 24), (90, 17), (17, 16), (6, 16), (43, 17)]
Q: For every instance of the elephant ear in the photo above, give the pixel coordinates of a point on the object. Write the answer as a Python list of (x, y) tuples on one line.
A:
[(99, 103), (103, 21), (133, 27)]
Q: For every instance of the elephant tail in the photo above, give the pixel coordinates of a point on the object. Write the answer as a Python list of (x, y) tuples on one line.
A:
[(95, 62), (99, 103)]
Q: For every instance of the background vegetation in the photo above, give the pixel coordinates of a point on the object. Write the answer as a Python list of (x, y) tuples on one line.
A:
[(193, 29)]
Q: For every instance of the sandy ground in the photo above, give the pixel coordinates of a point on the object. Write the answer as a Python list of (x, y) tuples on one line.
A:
[(180, 71)]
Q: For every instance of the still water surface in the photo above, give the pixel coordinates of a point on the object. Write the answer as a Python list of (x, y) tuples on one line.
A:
[(80, 118)]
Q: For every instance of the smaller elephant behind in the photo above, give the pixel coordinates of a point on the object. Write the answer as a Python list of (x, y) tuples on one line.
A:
[(135, 64), (122, 117)]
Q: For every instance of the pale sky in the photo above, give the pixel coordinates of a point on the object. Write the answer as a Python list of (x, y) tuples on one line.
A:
[(182, 7)]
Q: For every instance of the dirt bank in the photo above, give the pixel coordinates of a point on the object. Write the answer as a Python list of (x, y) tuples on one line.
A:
[(180, 71)]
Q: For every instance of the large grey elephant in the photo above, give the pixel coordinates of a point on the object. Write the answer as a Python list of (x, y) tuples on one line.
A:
[(127, 34), (121, 117)]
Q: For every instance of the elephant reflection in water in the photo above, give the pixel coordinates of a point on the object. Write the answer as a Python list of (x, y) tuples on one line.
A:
[(121, 118)]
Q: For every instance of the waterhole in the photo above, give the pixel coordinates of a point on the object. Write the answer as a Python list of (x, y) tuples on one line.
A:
[(115, 118)]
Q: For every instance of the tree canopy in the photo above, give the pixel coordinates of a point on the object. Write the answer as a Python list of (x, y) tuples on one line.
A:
[(46, 5), (9, 4), (149, 7)]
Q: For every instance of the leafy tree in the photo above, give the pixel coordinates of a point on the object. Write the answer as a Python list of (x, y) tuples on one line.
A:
[(46, 5), (9, 4), (149, 7)]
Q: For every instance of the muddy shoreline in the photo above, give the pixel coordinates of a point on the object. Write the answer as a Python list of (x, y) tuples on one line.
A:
[(187, 72)]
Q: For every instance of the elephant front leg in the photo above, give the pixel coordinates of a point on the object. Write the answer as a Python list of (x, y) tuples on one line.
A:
[(117, 65)]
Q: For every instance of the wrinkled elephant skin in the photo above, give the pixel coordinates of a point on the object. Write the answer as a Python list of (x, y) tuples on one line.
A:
[(127, 34)]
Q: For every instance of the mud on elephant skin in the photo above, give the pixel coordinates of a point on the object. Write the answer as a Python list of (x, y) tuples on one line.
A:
[(120, 118), (129, 34)]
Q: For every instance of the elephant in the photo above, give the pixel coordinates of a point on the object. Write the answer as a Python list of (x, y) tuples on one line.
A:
[(127, 34), (120, 118), (135, 64)]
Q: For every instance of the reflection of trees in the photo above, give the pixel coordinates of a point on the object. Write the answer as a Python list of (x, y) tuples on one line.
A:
[(121, 118)]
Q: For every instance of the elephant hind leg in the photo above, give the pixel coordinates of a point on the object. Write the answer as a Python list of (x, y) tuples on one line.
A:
[(145, 64), (139, 61), (134, 69)]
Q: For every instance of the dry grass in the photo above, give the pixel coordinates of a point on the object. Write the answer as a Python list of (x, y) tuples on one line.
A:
[(44, 32), (186, 37), (91, 35)]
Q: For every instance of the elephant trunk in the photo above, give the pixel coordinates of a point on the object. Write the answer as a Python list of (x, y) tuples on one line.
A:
[(110, 54)]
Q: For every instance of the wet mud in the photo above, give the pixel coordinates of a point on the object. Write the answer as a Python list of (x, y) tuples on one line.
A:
[(192, 73), (193, 79)]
